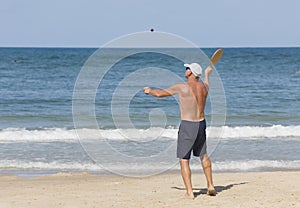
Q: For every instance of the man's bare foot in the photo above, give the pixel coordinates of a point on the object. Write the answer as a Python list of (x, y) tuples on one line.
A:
[(189, 196), (211, 191)]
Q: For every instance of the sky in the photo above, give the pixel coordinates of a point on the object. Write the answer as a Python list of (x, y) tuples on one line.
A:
[(92, 23)]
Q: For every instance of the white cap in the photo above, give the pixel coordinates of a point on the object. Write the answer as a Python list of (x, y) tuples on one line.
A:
[(195, 68)]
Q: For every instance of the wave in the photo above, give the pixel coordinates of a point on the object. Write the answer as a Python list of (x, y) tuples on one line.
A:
[(240, 165), (252, 165), (256, 132), (226, 132)]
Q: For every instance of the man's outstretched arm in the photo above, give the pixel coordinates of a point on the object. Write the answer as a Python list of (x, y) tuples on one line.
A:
[(162, 93), (156, 93)]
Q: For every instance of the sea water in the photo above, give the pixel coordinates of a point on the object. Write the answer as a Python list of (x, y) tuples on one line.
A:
[(38, 136)]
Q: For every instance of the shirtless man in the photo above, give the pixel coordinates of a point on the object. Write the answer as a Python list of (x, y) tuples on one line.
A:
[(191, 135)]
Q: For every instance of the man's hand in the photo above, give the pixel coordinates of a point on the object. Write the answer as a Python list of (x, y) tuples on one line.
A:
[(147, 90)]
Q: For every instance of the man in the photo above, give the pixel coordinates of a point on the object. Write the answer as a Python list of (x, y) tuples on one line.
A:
[(192, 131)]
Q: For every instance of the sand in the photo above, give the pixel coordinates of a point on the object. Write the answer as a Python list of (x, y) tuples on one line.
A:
[(257, 189)]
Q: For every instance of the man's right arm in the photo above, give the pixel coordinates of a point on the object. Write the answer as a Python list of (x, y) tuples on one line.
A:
[(208, 71)]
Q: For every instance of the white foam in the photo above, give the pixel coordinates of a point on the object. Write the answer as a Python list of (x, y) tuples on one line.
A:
[(240, 165), (16, 164), (226, 132), (255, 132), (21, 134), (246, 165)]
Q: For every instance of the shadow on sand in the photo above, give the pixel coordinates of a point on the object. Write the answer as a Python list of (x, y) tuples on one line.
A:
[(219, 189)]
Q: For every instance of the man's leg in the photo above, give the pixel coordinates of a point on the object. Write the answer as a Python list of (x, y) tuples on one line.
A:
[(206, 165), (186, 176)]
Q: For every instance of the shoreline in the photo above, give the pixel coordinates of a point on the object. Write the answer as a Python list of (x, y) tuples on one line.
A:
[(248, 189), (44, 173)]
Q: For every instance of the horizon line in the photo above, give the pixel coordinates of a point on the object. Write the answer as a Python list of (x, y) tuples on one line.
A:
[(95, 47)]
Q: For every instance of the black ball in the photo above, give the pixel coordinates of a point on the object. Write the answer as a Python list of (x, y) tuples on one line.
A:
[(152, 30)]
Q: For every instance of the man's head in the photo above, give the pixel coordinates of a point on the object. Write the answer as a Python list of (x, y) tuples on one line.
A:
[(193, 69)]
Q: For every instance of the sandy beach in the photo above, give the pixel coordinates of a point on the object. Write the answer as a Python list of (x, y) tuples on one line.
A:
[(256, 189)]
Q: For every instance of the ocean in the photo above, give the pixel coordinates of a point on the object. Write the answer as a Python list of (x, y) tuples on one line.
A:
[(39, 136)]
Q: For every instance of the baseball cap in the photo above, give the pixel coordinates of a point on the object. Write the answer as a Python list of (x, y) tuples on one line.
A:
[(195, 68)]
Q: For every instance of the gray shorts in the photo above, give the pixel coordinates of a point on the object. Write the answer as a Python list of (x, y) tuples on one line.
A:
[(191, 136)]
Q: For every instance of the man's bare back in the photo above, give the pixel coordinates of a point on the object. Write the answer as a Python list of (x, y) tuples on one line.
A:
[(192, 98)]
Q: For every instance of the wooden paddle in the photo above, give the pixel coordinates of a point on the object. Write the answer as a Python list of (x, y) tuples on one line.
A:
[(215, 58)]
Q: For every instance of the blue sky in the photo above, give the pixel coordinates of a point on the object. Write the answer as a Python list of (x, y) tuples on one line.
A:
[(207, 23)]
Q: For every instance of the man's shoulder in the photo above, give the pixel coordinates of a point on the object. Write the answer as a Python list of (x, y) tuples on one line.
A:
[(179, 84), (203, 86)]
